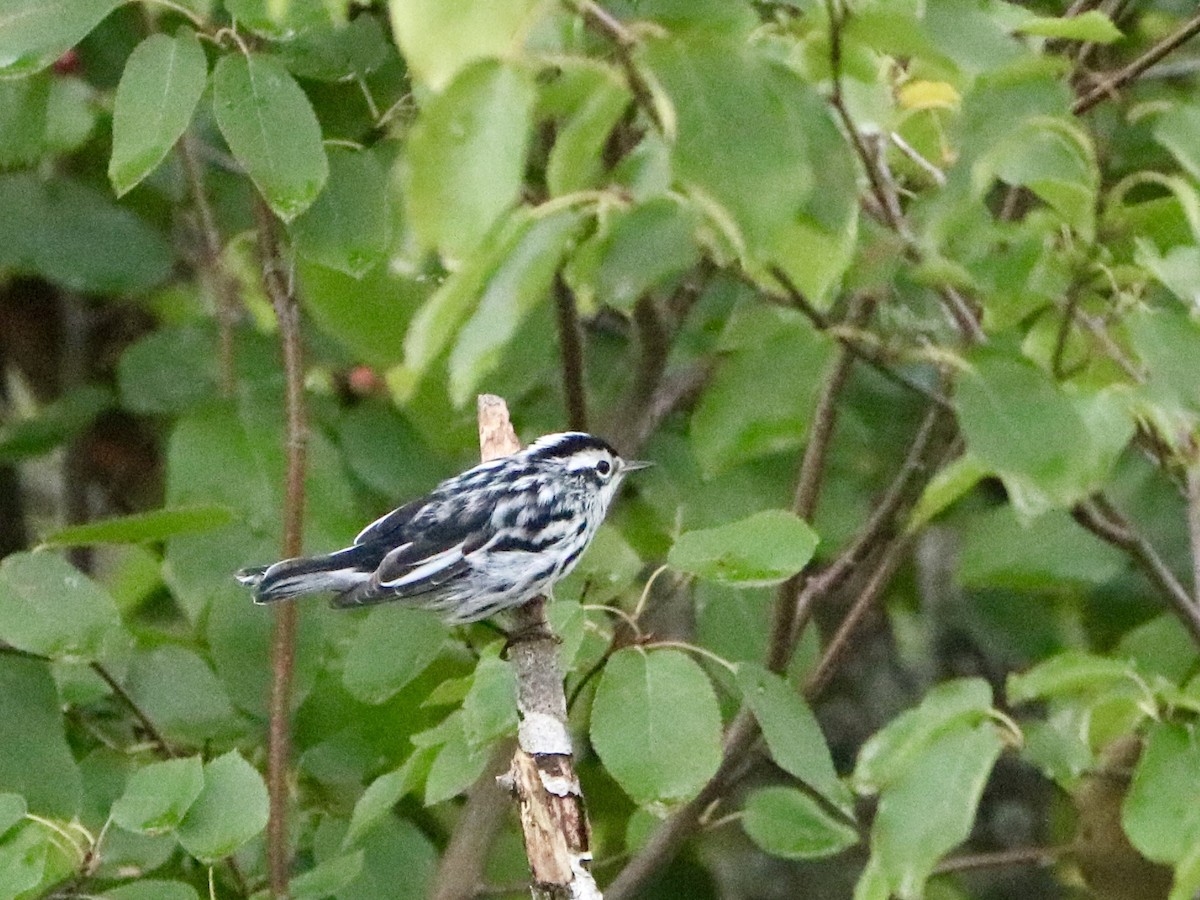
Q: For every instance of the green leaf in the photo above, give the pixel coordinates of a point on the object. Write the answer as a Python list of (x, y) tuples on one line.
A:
[(54, 424), (768, 547), (1166, 343), (930, 809), (757, 148), (788, 823), (12, 811), (239, 640), (78, 238), (576, 160), (159, 89), (392, 647), (456, 767), (436, 323), (761, 398), (49, 607), (34, 33), (158, 795), (466, 156), (139, 528), (271, 129), (655, 725), (328, 878), (1178, 129), (1051, 552), (35, 760), (24, 108), (1161, 812), (337, 53), (520, 282), (369, 316), (1178, 269), (398, 864), (1025, 427), (1093, 26), (169, 370), (1054, 158), (947, 487), (890, 753), (440, 38), (1072, 672), (22, 859), (490, 708), (182, 696), (230, 810), (348, 227), (384, 792), (152, 889), (640, 249), (792, 733)]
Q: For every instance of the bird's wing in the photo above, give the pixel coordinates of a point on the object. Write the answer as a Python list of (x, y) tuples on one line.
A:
[(422, 547)]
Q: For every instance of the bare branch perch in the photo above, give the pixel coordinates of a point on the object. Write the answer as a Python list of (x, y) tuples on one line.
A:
[(542, 775)]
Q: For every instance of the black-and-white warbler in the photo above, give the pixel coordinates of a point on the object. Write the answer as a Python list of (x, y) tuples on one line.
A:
[(487, 540)]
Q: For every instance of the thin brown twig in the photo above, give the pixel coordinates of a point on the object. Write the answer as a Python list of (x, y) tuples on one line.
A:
[(221, 281), (156, 737), (570, 348), (808, 487), (797, 299), (283, 641), (1111, 84), (835, 650), (603, 23), (1192, 483), (1101, 518), (1020, 856), (900, 494)]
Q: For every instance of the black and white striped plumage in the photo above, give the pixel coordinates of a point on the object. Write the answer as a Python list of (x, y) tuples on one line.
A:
[(487, 540)]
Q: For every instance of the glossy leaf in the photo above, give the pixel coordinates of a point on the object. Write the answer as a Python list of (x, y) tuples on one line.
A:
[(159, 89), (348, 227), (466, 156), (230, 810), (788, 823), (271, 129), (655, 725), (490, 707), (764, 549), (793, 736)]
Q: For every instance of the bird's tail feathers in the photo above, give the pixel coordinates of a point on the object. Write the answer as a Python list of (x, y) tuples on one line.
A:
[(304, 575)]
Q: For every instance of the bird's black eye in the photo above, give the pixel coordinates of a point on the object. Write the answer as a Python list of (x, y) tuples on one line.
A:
[(604, 467)]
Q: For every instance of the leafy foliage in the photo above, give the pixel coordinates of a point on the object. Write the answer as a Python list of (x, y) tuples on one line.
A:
[(900, 297)]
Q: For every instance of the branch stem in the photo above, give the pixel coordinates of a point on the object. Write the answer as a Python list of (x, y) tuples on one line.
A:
[(570, 345), (1109, 86), (283, 640)]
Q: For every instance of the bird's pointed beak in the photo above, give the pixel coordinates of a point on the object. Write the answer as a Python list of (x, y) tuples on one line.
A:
[(632, 465)]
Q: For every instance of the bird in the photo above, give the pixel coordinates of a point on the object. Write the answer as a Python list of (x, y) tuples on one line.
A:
[(487, 540)]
